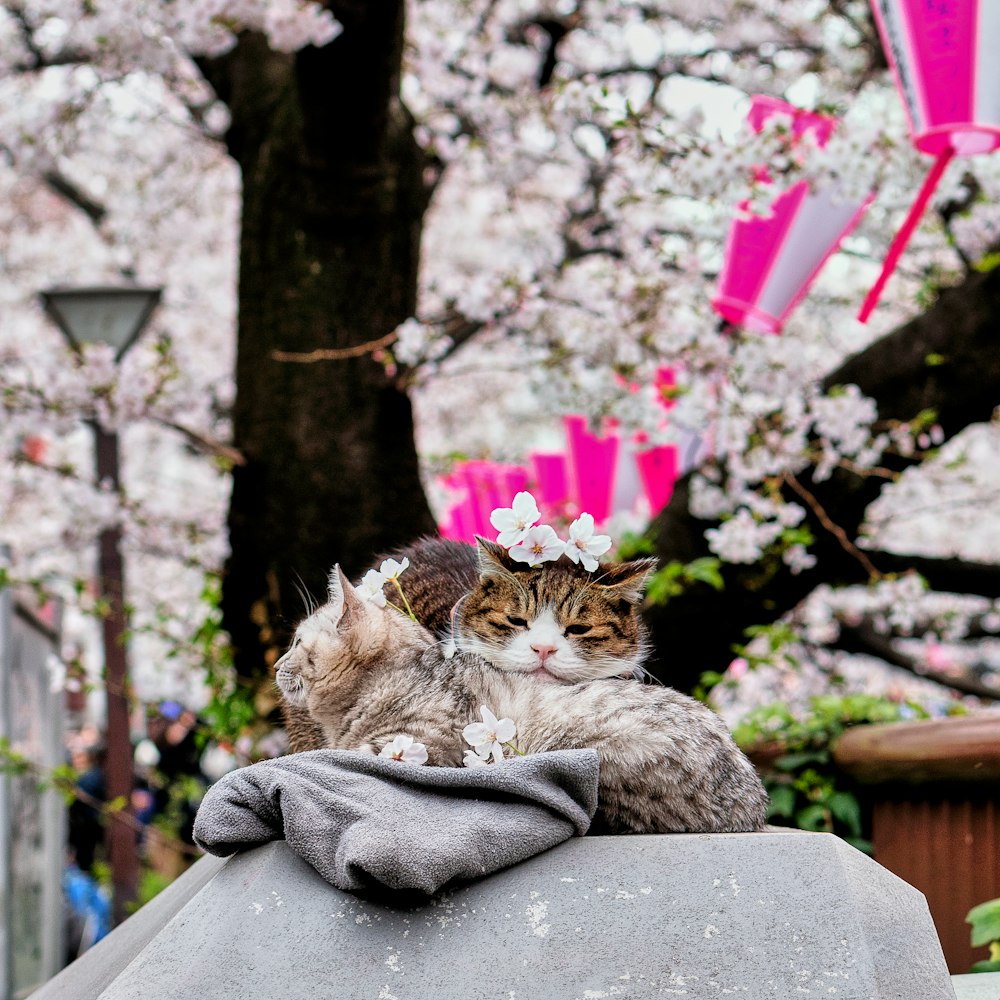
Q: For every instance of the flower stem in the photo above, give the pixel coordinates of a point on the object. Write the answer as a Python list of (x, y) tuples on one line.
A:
[(520, 753), (406, 603)]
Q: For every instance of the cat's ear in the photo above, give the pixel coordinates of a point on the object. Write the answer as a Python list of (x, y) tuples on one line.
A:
[(494, 560), (627, 580), (343, 596)]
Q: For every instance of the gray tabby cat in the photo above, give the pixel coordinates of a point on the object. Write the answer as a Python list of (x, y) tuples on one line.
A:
[(556, 622), (667, 763)]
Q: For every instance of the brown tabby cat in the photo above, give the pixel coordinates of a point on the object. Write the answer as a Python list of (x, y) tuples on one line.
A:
[(667, 763), (555, 622)]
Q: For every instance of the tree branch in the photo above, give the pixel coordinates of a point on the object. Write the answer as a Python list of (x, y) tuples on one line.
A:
[(865, 640), (949, 575), (75, 196)]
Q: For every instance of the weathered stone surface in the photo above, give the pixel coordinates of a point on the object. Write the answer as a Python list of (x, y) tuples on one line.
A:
[(981, 986), (781, 915)]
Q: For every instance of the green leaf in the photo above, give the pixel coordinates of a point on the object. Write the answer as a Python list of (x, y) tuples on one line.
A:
[(782, 802), (845, 808), (815, 818), (793, 761), (985, 920), (985, 966), (706, 570), (988, 262)]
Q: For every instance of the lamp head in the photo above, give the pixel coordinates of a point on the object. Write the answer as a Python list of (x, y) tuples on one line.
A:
[(113, 315)]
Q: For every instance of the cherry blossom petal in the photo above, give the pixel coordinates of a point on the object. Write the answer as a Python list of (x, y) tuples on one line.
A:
[(513, 522), (540, 544), (390, 569), (404, 748), (370, 588)]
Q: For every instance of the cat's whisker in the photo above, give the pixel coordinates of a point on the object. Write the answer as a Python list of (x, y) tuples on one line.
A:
[(308, 601)]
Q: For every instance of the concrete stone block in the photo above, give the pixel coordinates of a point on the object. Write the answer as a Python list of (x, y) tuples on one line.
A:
[(981, 986), (783, 915)]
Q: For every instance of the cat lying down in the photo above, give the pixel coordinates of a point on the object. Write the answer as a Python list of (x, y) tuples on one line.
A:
[(555, 621), (667, 763)]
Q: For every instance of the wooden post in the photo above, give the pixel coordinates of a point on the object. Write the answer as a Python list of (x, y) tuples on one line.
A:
[(935, 821)]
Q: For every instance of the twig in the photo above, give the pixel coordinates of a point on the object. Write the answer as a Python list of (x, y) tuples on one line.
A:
[(206, 444), (335, 354), (834, 529)]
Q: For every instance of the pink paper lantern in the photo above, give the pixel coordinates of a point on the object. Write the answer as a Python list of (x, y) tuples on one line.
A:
[(771, 262), (460, 521), (551, 475), (515, 479), (658, 471), (592, 467), (943, 56)]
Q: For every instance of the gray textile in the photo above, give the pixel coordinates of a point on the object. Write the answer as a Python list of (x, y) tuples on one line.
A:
[(366, 822)]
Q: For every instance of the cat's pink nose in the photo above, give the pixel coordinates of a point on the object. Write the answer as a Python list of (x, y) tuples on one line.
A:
[(543, 651)]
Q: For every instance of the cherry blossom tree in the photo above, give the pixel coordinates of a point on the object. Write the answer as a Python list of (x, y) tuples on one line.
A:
[(496, 211)]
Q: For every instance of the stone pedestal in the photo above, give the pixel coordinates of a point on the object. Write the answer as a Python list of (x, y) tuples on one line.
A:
[(784, 915)]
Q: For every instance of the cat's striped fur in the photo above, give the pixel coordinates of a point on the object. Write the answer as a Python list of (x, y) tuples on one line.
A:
[(555, 622), (667, 763)]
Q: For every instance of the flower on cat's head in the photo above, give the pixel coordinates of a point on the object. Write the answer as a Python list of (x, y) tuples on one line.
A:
[(390, 569), (513, 522), (404, 748), (539, 545), (370, 588), (583, 545), (533, 543), (488, 737)]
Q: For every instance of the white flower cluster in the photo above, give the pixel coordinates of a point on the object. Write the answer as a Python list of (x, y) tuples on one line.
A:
[(533, 543), (742, 538), (372, 583), (489, 739)]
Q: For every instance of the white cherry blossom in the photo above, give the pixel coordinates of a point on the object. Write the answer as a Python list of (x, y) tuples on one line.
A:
[(370, 588), (583, 545), (488, 737), (391, 569), (515, 521), (404, 748), (473, 758), (540, 544)]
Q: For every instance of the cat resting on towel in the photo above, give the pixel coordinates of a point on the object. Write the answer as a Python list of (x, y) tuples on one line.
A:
[(667, 763), (555, 622)]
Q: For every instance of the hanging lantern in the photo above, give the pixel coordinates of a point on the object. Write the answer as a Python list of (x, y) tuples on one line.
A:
[(770, 262), (941, 55), (550, 471), (592, 463), (658, 472)]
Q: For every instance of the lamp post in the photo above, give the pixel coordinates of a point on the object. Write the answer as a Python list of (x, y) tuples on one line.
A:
[(114, 316)]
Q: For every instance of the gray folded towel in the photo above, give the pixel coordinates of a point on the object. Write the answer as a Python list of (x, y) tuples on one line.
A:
[(365, 822)]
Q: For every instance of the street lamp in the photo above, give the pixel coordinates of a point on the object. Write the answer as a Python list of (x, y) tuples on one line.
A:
[(114, 316)]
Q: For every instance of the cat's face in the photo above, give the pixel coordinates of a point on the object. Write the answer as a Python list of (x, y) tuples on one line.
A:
[(555, 621), (335, 645)]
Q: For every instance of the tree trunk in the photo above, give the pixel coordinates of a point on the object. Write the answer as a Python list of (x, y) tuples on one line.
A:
[(946, 359), (333, 200)]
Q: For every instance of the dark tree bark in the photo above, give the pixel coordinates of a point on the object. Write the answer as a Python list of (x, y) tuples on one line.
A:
[(947, 359), (333, 200)]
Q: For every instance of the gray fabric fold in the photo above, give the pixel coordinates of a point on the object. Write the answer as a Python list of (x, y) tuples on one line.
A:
[(366, 822)]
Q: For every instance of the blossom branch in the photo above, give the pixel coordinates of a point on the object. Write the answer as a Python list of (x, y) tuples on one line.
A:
[(335, 353), (834, 529), (864, 639)]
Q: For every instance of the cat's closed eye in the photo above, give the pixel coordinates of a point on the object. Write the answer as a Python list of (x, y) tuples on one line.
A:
[(577, 629), (517, 622)]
